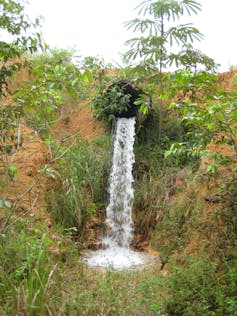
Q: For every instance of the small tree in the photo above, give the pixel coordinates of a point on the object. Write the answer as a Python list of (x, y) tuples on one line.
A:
[(158, 34), (23, 35), (21, 39), (55, 81)]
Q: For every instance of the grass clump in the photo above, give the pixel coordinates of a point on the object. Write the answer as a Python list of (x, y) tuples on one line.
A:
[(80, 190), (25, 272)]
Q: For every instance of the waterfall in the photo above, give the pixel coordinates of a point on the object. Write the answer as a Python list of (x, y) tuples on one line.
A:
[(119, 209), (117, 253)]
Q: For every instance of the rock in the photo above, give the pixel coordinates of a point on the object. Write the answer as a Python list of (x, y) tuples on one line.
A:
[(215, 198)]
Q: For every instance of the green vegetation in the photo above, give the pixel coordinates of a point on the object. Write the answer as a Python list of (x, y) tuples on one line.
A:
[(25, 272), (187, 213), (80, 188), (25, 36), (109, 104), (157, 36), (53, 82), (200, 289)]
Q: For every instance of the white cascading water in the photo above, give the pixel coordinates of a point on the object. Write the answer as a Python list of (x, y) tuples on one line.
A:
[(119, 210), (117, 253)]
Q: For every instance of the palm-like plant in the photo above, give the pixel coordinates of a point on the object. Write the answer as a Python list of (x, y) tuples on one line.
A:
[(159, 34), (155, 40)]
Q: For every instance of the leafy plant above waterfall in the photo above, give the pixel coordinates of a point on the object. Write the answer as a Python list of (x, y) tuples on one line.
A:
[(121, 99), (109, 104)]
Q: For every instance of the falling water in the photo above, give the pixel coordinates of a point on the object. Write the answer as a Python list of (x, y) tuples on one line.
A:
[(119, 210), (117, 253)]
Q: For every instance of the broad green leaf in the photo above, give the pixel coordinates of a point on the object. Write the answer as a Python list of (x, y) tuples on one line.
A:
[(5, 204)]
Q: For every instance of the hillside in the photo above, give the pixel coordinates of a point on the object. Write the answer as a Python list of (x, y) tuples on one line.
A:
[(76, 120), (180, 213)]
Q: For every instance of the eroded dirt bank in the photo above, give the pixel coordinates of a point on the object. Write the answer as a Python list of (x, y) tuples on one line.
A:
[(78, 120)]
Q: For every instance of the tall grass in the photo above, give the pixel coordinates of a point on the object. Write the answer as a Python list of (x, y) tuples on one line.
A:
[(81, 189), (25, 272)]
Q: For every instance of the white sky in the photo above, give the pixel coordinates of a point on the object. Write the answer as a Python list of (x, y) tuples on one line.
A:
[(95, 27)]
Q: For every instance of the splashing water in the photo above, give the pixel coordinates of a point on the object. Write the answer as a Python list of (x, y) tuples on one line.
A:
[(117, 254)]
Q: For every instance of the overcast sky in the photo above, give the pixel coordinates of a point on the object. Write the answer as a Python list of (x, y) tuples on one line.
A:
[(95, 27)]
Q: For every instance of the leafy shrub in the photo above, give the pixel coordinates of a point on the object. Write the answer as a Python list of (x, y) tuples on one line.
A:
[(167, 140), (109, 104), (215, 121), (192, 86), (55, 80), (24, 35)]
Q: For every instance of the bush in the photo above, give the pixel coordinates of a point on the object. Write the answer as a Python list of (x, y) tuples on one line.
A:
[(109, 104), (53, 81)]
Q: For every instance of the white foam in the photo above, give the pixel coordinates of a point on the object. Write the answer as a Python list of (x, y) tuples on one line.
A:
[(117, 258)]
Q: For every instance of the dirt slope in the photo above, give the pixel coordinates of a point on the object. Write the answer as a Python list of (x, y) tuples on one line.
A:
[(28, 185), (32, 156)]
